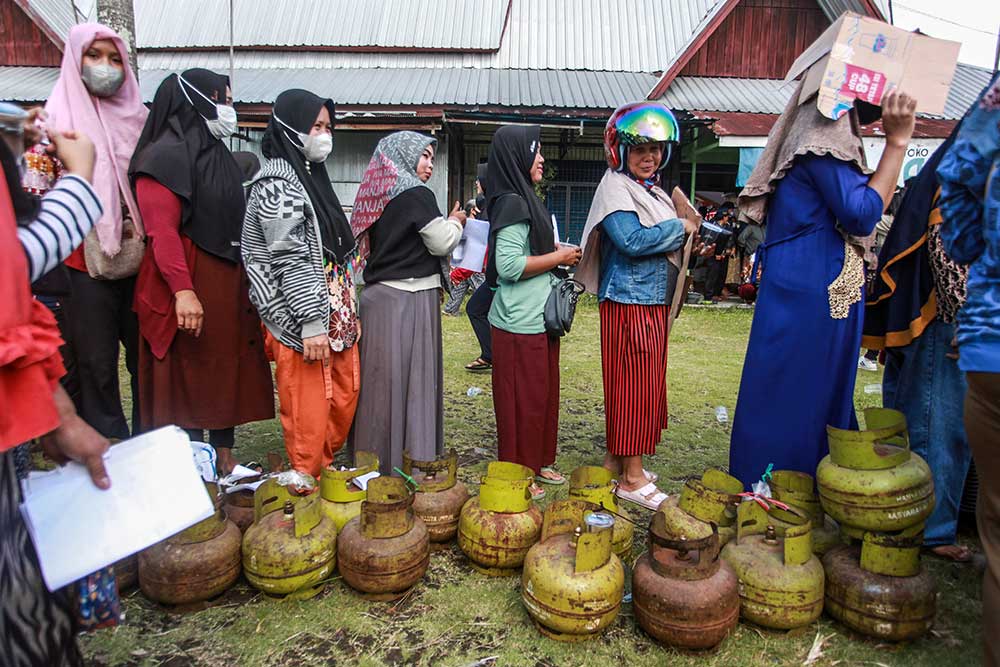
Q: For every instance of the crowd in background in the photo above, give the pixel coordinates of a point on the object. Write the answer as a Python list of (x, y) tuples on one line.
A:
[(135, 229)]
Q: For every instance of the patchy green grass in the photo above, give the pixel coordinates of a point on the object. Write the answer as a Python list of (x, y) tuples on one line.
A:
[(456, 617)]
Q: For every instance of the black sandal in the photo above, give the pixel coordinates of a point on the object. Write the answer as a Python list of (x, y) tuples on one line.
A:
[(480, 365)]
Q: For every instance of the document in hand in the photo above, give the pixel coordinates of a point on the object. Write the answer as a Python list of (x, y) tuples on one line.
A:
[(156, 491), (475, 238)]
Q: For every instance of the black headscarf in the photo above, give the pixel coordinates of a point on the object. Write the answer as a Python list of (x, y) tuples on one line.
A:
[(26, 207), (298, 109), (177, 150), (512, 153)]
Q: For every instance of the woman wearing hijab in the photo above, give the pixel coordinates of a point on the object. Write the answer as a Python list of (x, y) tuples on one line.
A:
[(298, 249), (911, 314), (522, 265), (478, 308), (97, 94), (812, 188), (201, 362), (406, 241), (634, 254)]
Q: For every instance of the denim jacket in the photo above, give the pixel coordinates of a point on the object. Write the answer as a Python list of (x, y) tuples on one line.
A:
[(634, 265), (970, 208)]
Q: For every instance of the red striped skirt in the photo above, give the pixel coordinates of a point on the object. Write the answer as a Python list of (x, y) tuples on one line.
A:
[(634, 366)]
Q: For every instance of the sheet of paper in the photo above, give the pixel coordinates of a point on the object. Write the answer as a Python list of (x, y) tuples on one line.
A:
[(156, 491), (555, 229), (475, 239)]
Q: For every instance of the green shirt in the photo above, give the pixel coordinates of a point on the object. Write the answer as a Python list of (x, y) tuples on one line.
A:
[(519, 303)]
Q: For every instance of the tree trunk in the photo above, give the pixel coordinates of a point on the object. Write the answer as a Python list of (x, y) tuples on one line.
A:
[(120, 17)]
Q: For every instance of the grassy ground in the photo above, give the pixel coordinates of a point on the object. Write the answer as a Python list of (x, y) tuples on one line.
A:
[(457, 617)]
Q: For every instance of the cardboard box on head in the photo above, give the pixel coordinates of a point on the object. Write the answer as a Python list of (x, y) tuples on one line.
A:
[(863, 58)]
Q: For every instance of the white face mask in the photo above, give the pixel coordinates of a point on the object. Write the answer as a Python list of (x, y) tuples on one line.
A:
[(315, 147), (224, 125), (102, 80)]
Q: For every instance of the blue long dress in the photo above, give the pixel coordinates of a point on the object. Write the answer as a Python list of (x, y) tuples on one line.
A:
[(801, 364)]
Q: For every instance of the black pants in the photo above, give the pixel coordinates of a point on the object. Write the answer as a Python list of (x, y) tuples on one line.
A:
[(217, 437), (716, 278), (98, 320), (478, 310)]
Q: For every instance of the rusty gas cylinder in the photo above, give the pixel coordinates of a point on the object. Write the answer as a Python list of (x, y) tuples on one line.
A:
[(196, 564), (385, 550), (440, 496), (239, 508), (683, 593), (498, 526), (880, 589), (341, 497), (780, 579), (871, 481), (798, 489), (594, 484), (572, 583), (291, 548), (711, 498)]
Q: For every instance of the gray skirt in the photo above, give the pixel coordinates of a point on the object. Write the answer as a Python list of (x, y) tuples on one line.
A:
[(401, 406)]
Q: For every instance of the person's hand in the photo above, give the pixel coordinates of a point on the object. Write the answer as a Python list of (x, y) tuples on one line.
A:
[(458, 214), (898, 118), (75, 150), (699, 248), (32, 132), (76, 440), (316, 348), (190, 314), (569, 255)]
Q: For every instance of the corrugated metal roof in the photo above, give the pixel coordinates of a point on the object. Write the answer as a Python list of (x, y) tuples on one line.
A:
[(465, 87), (60, 15), (597, 35), (729, 123), (27, 84), (415, 24), (968, 83), (725, 94), (834, 8)]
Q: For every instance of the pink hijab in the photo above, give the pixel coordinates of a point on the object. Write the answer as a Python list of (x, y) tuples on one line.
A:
[(112, 123)]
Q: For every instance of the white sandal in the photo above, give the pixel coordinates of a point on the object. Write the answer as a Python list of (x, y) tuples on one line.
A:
[(648, 496)]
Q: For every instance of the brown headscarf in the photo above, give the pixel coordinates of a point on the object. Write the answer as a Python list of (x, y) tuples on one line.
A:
[(800, 130)]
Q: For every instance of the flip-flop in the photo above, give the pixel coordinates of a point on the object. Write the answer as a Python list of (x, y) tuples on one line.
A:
[(648, 496), (539, 495), (545, 480), (479, 366)]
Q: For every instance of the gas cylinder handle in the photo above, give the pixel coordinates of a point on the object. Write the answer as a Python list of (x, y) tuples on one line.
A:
[(883, 444), (447, 463), (709, 545)]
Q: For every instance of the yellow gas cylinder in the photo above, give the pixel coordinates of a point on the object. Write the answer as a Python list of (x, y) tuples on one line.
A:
[(342, 498), (440, 497), (196, 564), (594, 484), (572, 584), (781, 580), (497, 527), (712, 498), (871, 480), (880, 589), (798, 489), (384, 550), (291, 548)]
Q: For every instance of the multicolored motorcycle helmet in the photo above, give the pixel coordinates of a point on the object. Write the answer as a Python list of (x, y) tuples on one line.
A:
[(639, 123)]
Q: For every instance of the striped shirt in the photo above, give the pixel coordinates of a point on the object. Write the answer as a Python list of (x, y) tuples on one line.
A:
[(68, 211)]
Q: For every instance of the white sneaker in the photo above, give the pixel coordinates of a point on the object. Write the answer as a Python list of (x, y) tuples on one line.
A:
[(866, 364)]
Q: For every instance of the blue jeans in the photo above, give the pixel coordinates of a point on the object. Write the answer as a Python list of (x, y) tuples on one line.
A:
[(928, 387)]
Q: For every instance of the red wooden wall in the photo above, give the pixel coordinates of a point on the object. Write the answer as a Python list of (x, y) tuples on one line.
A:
[(21, 42), (759, 39)]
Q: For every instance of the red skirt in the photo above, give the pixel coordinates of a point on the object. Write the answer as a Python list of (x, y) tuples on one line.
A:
[(634, 366), (220, 379)]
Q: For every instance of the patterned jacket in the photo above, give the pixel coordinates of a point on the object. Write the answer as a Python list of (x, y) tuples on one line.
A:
[(283, 255)]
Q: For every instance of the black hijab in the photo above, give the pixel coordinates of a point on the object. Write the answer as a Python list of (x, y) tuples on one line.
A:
[(177, 150), (512, 153), (26, 207), (298, 109)]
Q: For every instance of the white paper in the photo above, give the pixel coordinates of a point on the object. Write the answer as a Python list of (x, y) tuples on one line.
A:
[(362, 481), (231, 482), (204, 458), (555, 228), (471, 250), (156, 491)]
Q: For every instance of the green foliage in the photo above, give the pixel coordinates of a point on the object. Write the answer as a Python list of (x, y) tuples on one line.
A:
[(456, 616)]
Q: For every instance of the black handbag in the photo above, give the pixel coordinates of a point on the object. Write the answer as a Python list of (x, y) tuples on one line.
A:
[(560, 307)]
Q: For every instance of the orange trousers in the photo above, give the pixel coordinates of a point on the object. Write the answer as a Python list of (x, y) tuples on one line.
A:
[(317, 403)]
